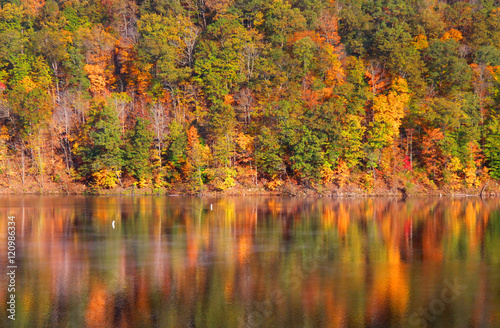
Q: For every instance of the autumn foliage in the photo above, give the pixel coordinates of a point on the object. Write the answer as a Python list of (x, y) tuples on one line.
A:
[(269, 93)]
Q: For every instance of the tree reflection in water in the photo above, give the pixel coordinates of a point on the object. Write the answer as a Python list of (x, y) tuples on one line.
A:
[(255, 261)]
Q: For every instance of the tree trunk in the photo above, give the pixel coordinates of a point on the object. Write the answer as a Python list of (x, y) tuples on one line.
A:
[(23, 171), (119, 180), (40, 162)]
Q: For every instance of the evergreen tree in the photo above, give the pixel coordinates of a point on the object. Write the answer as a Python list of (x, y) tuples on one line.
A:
[(492, 147), (137, 155), (102, 153)]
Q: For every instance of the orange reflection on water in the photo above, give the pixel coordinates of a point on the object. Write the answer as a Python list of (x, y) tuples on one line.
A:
[(279, 262)]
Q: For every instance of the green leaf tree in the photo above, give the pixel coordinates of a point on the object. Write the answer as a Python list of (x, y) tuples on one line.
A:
[(138, 151), (101, 151)]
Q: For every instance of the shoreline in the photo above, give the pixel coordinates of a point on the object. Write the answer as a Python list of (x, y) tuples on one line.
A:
[(287, 190)]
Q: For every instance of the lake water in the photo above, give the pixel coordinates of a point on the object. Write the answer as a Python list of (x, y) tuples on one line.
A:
[(252, 262)]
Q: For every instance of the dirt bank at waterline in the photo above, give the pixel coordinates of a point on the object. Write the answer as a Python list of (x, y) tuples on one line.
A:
[(491, 188)]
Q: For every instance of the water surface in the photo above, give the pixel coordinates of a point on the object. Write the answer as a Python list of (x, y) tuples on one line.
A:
[(252, 262)]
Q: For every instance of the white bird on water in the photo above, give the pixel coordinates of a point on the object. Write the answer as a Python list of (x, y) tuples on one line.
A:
[(113, 224)]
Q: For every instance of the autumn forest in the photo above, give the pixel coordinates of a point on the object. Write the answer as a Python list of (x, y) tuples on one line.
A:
[(216, 95)]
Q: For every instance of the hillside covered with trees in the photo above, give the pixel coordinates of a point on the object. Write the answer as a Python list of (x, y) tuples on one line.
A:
[(215, 94)]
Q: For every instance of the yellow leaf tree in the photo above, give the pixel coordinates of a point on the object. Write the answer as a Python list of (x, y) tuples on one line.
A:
[(388, 111), (198, 157)]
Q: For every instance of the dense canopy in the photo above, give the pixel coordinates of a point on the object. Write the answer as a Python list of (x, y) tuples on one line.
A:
[(217, 93)]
